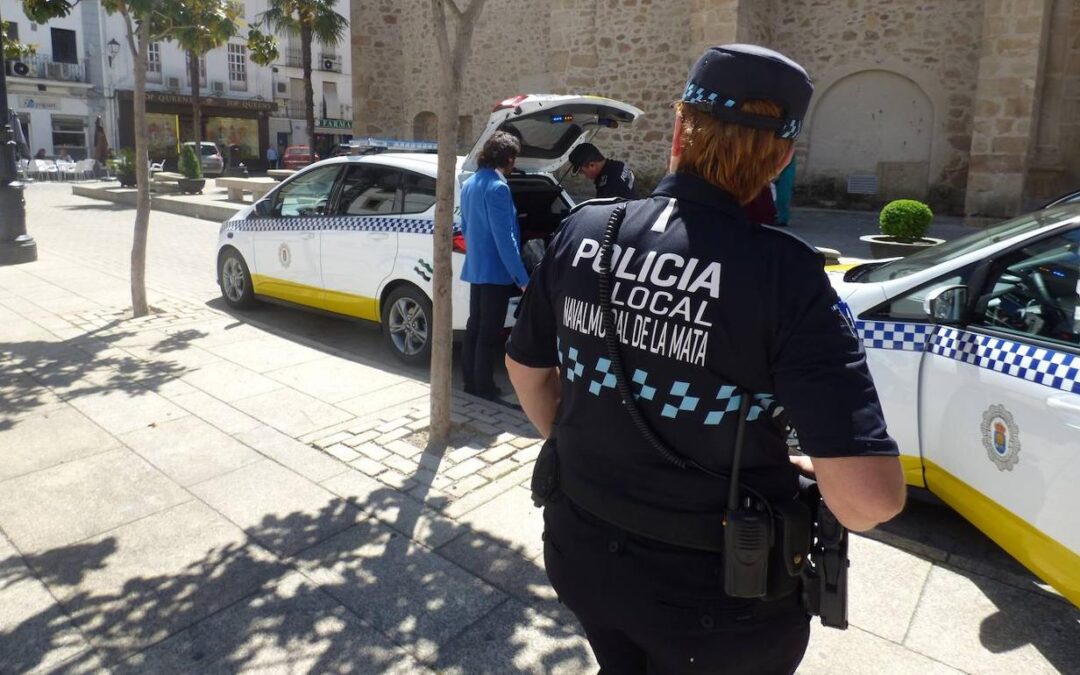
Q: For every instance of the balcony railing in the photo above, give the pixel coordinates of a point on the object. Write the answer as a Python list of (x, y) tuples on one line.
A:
[(291, 109), (42, 67), (292, 57)]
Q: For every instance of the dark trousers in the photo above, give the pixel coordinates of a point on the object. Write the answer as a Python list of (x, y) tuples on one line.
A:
[(487, 317), (648, 607)]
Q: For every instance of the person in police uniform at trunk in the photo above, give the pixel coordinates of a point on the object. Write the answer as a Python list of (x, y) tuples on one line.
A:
[(705, 302), (611, 178)]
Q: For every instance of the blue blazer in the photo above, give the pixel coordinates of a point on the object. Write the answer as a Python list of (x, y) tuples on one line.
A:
[(492, 235)]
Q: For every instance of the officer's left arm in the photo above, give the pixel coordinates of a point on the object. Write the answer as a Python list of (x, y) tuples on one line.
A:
[(538, 390), (532, 356)]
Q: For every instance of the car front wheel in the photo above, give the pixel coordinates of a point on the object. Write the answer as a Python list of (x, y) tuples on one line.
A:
[(406, 324), (235, 280)]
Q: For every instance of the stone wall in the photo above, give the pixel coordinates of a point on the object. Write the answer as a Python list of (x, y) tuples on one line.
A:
[(980, 98), (1006, 105), (931, 44), (1056, 165)]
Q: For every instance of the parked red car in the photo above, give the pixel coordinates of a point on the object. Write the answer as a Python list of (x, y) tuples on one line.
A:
[(298, 156)]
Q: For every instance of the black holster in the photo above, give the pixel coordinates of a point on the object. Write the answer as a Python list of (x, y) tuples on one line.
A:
[(824, 579), (545, 477)]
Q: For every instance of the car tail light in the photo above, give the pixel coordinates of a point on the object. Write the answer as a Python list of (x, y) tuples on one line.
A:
[(459, 243), (510, 102)]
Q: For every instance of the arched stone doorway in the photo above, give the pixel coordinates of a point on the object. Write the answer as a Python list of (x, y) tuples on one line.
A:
[(425, 126), (874, 122)]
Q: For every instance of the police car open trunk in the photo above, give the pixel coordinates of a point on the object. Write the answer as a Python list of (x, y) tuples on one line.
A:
[(549, 127)]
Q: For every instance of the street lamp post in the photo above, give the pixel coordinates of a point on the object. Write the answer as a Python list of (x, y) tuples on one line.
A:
[(16, 246)]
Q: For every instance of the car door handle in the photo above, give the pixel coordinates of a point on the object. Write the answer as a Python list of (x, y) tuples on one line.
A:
[(378, 236), (1063, 403), (309, 235)]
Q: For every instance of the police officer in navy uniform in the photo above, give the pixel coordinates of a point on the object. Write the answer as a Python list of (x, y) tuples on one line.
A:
[(706, 305), (611, 178)]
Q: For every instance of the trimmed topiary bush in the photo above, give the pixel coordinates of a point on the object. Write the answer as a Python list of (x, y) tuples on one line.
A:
[(189, 165), (905, 220)]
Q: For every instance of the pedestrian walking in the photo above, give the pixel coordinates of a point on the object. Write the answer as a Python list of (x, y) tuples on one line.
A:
[(493, 265), (272, 157), (661, 349)]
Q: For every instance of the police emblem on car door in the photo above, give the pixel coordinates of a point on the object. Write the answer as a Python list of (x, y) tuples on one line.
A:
[(287, 243)]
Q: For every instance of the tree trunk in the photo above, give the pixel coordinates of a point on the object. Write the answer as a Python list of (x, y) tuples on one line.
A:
[(142, 174), (442, 333), (309, 91), (196, 103)]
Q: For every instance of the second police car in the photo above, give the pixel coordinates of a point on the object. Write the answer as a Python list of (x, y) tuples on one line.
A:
[(352, 235), (974, 346)]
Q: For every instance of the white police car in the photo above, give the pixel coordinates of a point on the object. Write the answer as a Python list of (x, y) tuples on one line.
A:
[(352, 235), (974, 346)]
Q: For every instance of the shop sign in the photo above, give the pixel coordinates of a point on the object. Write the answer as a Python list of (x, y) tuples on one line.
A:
[(36, 103), (326, 123), (210, 101)]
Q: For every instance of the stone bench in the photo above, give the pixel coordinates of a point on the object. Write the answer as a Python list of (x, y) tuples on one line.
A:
[(280, 174), (258, 187), (165, 181)]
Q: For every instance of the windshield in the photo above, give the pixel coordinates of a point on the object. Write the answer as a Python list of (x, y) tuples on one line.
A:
[(208, 150), (950, 250)]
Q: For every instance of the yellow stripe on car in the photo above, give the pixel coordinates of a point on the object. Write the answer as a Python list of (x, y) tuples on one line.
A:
[(1050, 560), (347, 304)]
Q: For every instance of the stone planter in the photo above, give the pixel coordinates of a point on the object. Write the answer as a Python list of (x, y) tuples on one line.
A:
[(127, 180), (191, 186), (882, 246)]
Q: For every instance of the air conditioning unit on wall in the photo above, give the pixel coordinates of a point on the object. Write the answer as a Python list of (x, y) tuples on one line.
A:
[(282, 87), (217, 86), (172, 82)]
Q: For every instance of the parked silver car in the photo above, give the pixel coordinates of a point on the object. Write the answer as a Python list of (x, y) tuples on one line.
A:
[(213, 164)]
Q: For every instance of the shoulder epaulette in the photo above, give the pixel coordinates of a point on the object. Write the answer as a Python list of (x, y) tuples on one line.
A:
[(596, 201)]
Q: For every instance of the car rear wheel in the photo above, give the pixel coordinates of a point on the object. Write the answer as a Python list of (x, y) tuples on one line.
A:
[(406, 324), (235, 280)]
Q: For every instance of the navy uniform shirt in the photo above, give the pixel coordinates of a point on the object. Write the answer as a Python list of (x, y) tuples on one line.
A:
[(704, 302), (615, 180)]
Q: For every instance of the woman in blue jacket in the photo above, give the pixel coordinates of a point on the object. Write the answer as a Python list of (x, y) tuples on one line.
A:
[(493, 264)]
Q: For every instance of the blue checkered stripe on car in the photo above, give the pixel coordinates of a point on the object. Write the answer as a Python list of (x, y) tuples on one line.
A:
[(333, 224), (1048, 367), (670, 399), (909, 337)]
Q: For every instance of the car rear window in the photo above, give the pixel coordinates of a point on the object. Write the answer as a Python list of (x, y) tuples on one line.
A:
[(208, 150)]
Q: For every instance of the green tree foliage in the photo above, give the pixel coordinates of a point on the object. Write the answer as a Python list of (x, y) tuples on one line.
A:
[(905, 219), (13, 50), (189, 164), (312, 21)]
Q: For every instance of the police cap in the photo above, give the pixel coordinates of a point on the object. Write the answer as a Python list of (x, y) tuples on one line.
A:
[(728, 75)]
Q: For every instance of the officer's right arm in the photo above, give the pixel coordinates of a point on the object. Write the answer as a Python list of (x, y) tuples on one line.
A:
[(821, 379), (862, 492)]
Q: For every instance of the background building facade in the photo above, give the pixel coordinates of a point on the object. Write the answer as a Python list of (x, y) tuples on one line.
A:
[(83, 69), (973, 105)]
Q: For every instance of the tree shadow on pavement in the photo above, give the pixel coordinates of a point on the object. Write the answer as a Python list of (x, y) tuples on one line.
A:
[(397, 590), (35, 372)]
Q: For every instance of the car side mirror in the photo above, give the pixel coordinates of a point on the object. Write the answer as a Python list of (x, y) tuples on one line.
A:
[(264, 208), (946, 305)]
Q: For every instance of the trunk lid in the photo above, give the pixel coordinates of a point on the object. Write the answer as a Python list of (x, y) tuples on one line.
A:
[(550, 126)]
